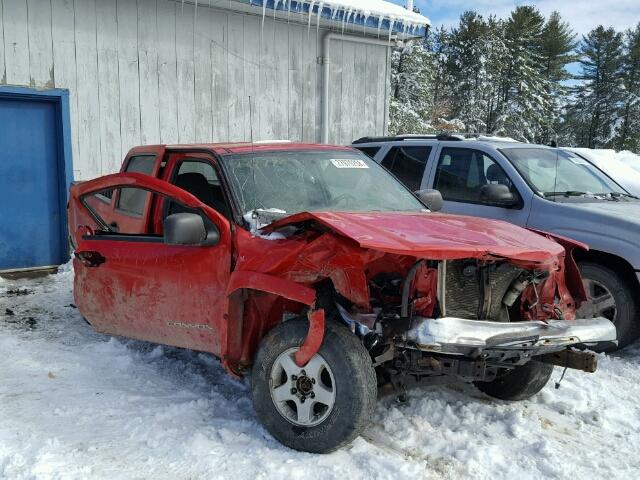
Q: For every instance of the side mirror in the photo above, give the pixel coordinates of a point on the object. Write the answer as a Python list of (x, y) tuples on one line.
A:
[(431, 198), (498, 194), (189, 229)]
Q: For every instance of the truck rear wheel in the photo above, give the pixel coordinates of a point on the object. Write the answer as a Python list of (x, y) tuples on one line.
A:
[(611, 297), (319, 407), (520, 383)]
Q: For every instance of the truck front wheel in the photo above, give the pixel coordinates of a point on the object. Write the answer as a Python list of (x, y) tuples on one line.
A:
[(325, 404), (520, 383)]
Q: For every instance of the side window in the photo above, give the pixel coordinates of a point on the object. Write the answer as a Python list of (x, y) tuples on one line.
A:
[(141, 164), (462, 172), (201, 180), (408, 164), (369, 151), (117, 224), (132, 201), (105, 196), (202, 168), (100, 203)]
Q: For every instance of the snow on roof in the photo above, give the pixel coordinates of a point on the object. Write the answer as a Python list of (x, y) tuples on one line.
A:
[(377, 8), (376, 14)]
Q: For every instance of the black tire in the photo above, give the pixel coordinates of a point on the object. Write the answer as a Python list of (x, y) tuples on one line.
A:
[(355, 387), (518, 384), (626, 306)]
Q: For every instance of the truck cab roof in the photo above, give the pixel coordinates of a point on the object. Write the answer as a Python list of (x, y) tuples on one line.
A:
[(231, 148)]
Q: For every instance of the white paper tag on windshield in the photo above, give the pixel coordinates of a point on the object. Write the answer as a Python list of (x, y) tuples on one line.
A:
[(349, 163)]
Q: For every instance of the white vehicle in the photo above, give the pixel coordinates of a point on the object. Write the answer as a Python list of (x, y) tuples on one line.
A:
[(623, 167)]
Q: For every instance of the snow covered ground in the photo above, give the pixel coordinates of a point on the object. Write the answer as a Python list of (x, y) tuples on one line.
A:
[(78, 404)]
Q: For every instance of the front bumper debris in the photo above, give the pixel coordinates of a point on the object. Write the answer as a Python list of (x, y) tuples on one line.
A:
[(461, 336)]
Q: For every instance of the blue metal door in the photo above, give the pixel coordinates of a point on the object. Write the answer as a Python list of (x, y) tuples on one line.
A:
[(30, 183)]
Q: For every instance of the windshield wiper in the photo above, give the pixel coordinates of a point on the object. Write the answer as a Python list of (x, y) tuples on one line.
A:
[(568, 193)]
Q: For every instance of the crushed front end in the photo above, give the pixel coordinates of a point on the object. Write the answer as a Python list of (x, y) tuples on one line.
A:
[(433, 297), (475, 320)]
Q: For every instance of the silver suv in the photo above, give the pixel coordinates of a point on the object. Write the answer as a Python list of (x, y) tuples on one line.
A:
[(537, 187)]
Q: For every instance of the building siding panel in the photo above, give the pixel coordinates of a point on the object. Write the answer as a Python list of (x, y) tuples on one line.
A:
[(148, 71), (128, 77), (108, 85), (88, 86), (40, 43), (16, 42), (167, 72), (154, 71), (64, 65)]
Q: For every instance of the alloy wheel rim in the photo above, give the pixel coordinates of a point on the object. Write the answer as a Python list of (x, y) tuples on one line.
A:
[(601, 301), (304, 396)]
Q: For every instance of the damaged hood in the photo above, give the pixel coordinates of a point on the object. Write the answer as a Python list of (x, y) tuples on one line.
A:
[(434, 236)]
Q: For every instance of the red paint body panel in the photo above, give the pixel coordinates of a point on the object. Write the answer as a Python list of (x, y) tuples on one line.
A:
[(271, 284), (312, 343), (436, 236), (168, 294), (223, 299)]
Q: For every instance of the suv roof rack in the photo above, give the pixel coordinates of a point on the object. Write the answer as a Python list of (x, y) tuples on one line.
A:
[(449, 136)]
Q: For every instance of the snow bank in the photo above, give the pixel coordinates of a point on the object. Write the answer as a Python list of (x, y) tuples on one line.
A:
[(78, 404), (623, 167), (630, 158)]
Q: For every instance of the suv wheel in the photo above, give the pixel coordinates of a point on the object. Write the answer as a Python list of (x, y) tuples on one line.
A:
[(611, 297), (323, 405)]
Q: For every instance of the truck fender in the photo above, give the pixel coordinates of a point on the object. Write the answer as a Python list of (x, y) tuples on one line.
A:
[(573, 279), (291, 291)]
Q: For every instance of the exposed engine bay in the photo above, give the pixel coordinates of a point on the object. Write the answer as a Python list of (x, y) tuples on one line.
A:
[(478, 325)]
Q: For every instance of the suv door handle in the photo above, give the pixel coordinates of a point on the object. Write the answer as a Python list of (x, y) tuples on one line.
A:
[(90, 258)]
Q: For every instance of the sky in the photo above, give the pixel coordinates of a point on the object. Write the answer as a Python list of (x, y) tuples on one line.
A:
[(583, 15)]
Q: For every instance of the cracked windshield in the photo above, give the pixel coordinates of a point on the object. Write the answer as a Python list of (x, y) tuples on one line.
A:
[(284, 183)]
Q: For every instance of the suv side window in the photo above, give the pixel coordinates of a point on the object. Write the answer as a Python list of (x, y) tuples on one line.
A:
[(408, 164), (132, 201), (462, 172)]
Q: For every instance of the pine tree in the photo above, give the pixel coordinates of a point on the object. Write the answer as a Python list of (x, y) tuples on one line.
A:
[(524, 95), (629, 134), (496, 57), (598, 97), (471, 52), (441, 108), (508, 77), (557, 50), (411, 87)]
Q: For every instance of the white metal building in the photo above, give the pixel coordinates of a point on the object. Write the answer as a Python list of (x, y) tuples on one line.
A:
[(82, 81)]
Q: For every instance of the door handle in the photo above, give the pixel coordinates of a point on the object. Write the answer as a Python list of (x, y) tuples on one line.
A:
[(114, 226), (90, 258)]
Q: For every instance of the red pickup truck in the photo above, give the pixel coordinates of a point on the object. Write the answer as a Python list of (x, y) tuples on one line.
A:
[(315, 271)]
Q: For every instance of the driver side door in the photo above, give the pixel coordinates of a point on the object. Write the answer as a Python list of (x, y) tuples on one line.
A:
[(461, 173), (137, 285)]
